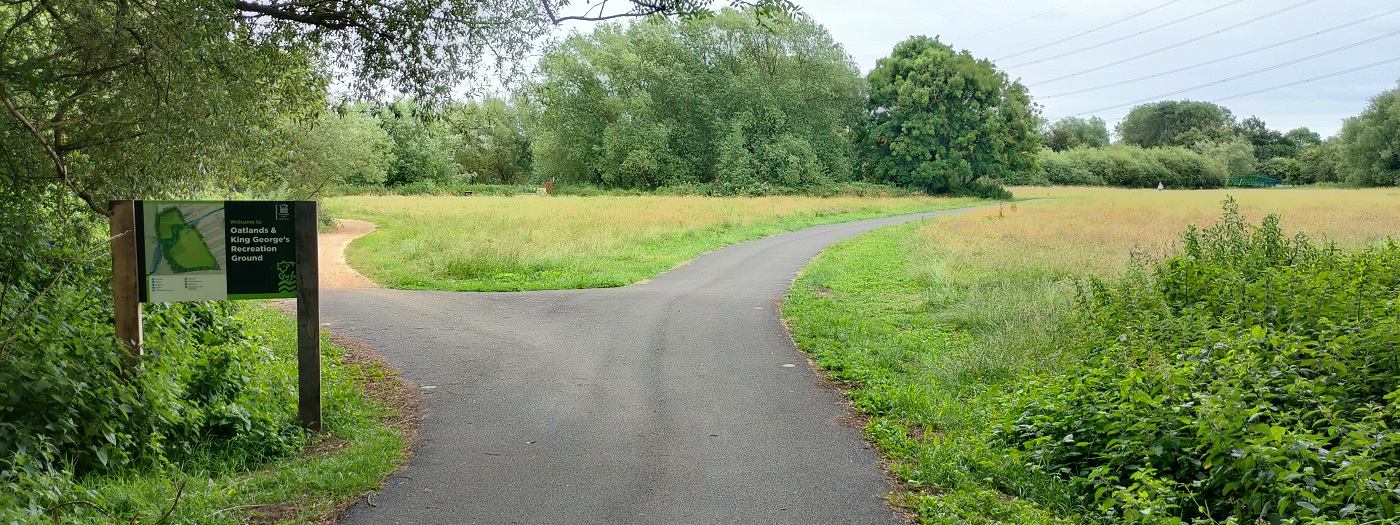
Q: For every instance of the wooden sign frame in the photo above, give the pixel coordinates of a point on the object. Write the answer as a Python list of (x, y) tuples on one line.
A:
[(127, 286)]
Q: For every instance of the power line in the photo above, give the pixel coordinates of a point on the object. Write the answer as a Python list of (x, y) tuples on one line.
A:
[(1096, 29), (1181, 43), (1243, 75), (1320, 77), (1221, 59), (1122, 38), (995, 29)]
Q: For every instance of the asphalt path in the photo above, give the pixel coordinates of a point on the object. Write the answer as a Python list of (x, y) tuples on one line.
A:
[(681, 400)]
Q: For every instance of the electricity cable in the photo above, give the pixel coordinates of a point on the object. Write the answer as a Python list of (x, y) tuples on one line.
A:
[(995, 29), (1187, 41), (1320, 77), (1221, 59), (1250, 73), (1139, 33), (1094, 30)]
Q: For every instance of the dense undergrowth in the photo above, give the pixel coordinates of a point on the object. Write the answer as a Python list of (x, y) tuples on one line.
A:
[(1253, 376), (213, 398), (1125, 166), (1250, 377)]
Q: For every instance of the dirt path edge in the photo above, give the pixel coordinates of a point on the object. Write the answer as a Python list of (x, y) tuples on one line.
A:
[(335, 273)]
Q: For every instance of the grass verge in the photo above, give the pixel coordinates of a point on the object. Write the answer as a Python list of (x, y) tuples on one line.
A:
[(365, 441), (535, 243), (921, 348), (932, 323)]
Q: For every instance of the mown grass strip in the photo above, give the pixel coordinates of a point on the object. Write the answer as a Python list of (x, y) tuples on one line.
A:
[(922, 343), (537, 243)]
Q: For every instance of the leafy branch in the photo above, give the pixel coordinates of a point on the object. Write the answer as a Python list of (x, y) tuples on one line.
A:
[(60, 167)]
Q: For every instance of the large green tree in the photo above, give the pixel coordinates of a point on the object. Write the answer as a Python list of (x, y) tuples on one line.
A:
[(1321, 163), (1176, 123), (108, 99), (1370, 143), (1075, 132), (347, 147), (1268, 143), (722, 100), (126, 98), (939, 119), (495, 146), (1303, 137)]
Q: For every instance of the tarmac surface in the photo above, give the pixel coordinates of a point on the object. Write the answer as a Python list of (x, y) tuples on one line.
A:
[(680, 400)]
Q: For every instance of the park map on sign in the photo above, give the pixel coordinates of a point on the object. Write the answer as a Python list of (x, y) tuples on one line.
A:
[(187, 238)]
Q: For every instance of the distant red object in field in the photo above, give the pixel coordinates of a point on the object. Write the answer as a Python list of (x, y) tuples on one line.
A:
[(549, 186)]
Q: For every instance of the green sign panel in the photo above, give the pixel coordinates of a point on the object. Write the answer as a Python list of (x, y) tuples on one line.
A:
[(215, 250)]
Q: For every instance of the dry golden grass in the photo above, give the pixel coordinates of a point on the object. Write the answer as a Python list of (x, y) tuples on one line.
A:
[(1097, 230), (531, 226), (533, 242)]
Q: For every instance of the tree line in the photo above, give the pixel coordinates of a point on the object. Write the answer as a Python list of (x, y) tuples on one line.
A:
[(1217, 147), (725, 104)]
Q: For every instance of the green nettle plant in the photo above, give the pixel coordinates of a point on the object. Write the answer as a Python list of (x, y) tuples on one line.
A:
[(67, 406), (1252, 377)]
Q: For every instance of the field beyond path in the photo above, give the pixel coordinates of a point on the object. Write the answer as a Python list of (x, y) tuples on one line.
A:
[(511, 244), (681, 400)]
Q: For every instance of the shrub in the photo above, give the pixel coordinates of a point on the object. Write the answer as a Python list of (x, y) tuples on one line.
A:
[(1069, 168), (1252, 377), (67, 407), (1034, 177), (1188, 169), (1319, 163), (1369, 144), (1132, 167), (1281, 168)]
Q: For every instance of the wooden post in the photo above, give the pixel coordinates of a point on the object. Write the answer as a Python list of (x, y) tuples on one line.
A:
[(308, 317), (126, 281)]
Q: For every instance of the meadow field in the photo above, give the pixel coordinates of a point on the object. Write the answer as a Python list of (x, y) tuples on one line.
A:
[(485, 243), (1096, 230), (946, 330)]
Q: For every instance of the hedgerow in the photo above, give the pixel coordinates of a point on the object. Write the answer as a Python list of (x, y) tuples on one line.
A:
[(1127, 166), (1251, 377)]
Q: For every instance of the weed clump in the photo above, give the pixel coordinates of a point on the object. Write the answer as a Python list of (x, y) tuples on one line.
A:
[(1251, 377)]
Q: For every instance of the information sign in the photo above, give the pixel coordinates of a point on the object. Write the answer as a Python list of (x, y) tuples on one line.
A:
[(216, 250)]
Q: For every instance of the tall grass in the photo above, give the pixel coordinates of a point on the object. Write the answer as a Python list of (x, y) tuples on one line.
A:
[(1095, 231), (931, 322), (531, 242)]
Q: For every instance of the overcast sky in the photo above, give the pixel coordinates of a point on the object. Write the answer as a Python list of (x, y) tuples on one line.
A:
[(870, 28)]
